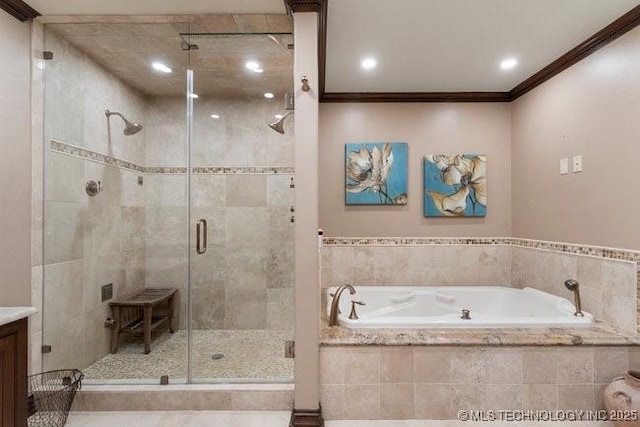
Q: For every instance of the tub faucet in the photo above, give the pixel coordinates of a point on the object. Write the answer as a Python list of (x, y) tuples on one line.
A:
[(574, 287), (333, 316)]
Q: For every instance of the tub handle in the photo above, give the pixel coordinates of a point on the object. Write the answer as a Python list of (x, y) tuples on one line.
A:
[(353, 315)]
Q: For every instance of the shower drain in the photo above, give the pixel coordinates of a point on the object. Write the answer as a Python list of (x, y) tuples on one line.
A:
[(217, 356)]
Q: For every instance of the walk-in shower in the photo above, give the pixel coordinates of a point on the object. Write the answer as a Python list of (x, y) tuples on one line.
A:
[(206, 157), (130, 128)]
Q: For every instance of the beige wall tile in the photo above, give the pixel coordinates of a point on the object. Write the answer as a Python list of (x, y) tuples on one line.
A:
[(504, 366), (333, 401), (333, 362), (397, 401), (362, 366), (540, 397), (468, 397), (396, 365), (539, 366), (610, 363), (504, 397), (576, 397), (575, 365), (433, 401), (246, 190), (469, 366), (363, 401), (432, 365)]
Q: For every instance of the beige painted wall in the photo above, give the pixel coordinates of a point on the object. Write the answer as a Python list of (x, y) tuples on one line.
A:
[(593, 110), (15, 162), (428, 128)]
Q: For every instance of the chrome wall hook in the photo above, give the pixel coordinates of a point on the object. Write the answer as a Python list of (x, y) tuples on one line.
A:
[(305, 84)]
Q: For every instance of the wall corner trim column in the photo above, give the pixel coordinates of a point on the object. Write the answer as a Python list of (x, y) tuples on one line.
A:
[(19, 10), (301, 417)]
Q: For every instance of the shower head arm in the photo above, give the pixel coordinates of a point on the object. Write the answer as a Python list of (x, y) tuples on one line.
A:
[(114, 113)]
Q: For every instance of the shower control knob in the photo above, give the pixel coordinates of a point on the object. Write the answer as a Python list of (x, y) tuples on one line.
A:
[(292, 209), (93, 188), (293, 218)]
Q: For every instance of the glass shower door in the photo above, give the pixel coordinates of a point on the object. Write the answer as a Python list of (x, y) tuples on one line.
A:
[(115, 198), (241, 208)]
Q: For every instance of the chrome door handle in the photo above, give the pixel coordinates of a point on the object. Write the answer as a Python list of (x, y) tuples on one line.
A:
[(201, 242)]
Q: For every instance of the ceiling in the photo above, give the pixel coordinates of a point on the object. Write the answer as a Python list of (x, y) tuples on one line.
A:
[(419, 45), (454, 45), (128, 50), (155, 7)]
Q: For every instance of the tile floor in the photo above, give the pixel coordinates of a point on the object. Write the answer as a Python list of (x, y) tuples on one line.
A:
[(267, 419), (248, 354)]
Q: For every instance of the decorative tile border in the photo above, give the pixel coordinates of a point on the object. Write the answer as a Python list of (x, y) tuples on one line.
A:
[(242, 170), (83, 153), (166, 170), (413, 241), (570, 248), (575, 249)]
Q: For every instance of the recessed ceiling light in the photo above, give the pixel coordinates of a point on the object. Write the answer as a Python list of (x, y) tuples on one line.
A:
[(159, 66), (254, 66), (278, 116), (368, 63), (194, 95), (268, 95), (215, 116), (508, 63)]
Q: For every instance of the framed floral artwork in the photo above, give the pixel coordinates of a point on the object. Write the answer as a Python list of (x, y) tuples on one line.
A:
[(376, 173), (455, 185)]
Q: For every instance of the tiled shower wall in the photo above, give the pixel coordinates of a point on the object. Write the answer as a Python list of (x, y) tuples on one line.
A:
[(135, 235), (88, 241), (608, 277), (241, 186)]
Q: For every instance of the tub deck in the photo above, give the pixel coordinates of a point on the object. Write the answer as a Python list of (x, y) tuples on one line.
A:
[(600, 334)]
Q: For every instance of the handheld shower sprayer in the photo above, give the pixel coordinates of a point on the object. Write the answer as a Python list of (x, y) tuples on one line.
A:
[(574, 287)]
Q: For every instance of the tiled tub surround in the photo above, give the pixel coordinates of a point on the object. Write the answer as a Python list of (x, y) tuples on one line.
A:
[(431, 374), (407, 382), (608, 277)]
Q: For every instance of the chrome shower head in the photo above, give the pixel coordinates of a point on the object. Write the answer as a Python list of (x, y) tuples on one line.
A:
[(129, 128), (278, 125)]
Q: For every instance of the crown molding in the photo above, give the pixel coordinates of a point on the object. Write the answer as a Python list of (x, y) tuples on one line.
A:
[(617, 28), (416, 97), (19, 10)]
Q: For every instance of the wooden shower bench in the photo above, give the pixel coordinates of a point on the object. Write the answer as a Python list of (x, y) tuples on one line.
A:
[(134, 313)]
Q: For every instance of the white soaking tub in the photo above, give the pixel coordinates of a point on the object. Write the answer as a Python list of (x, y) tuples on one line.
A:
[(441, 307)]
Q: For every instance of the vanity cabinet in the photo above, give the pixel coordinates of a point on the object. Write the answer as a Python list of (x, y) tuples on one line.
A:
[(13, 374)]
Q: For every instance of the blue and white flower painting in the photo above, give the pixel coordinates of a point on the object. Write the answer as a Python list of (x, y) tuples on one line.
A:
[(376, 173), (455, 185)]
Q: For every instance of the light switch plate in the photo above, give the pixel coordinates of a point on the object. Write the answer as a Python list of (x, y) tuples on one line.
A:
[(577, 163), (564, 166)]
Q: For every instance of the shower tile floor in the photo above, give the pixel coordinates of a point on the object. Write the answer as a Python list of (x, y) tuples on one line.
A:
[(248, 355)]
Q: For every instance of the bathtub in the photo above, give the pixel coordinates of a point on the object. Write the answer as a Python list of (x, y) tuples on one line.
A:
[(441, 307)]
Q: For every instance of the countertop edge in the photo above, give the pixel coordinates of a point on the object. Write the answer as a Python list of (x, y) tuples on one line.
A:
[(13, 314)]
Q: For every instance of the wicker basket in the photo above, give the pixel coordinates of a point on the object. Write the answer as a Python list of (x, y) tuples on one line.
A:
[(51, 395)]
